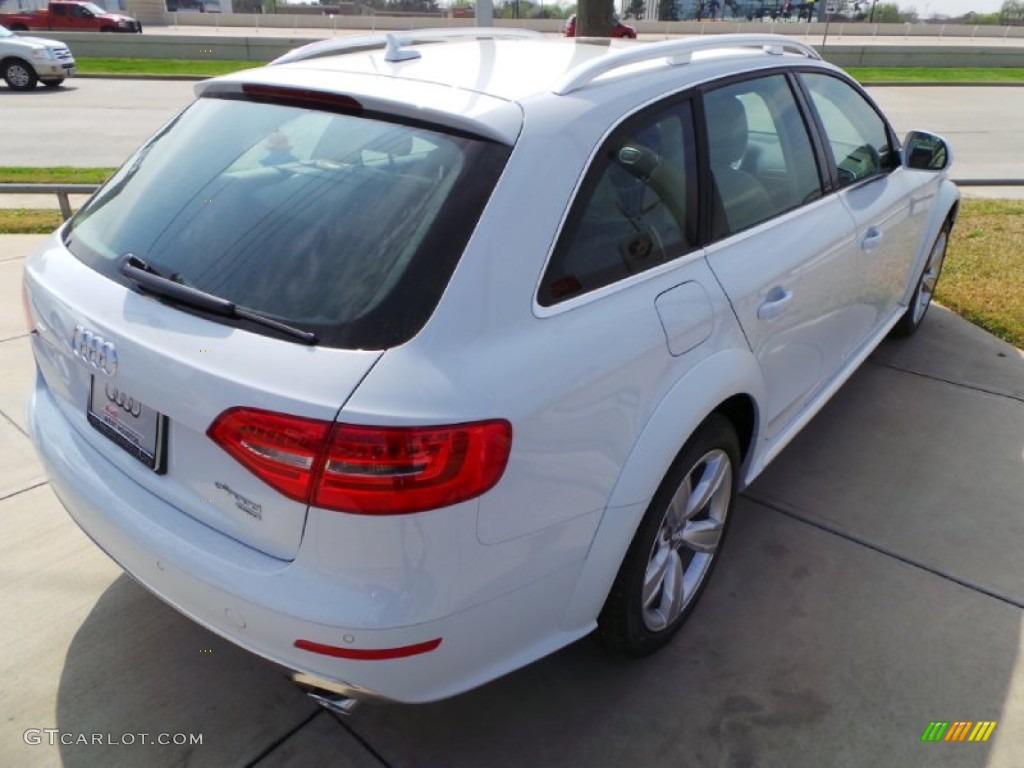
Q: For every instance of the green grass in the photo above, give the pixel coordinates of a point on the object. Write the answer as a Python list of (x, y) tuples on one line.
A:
[(198, 67), (938, 74), (981, 279), (21, 221), (62, 174)]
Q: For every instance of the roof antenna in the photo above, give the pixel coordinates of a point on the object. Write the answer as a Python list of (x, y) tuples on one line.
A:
[(395, 52)]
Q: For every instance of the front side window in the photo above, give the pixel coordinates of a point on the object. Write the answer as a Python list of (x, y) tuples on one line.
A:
[(855, 131), (336, 223), (760, 153), (636, 208)]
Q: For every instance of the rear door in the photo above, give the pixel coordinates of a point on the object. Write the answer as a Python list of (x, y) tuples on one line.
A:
[(58, 17), (783, 253), (889, 204)]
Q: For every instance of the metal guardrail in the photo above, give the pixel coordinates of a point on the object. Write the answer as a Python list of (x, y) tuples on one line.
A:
[(989, 182), (61, 190)]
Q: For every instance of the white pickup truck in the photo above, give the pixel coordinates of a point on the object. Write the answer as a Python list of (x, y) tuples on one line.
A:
[(25, 61)]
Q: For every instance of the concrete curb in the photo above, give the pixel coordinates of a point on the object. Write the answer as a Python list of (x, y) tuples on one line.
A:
[(141, 76)]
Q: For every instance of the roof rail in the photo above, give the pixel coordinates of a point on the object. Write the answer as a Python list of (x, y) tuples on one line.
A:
[(397, 40), (676, 52)]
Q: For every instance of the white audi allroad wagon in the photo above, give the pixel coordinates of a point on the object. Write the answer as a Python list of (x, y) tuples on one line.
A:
[(406, 360)]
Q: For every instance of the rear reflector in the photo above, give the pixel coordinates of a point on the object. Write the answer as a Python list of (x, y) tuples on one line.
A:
[(368, 654), (367, 470)]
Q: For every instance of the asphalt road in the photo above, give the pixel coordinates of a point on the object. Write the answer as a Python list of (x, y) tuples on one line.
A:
[(46, 127), (87, 122)]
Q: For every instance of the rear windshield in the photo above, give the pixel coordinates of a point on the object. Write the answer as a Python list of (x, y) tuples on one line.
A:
[(343, 224)]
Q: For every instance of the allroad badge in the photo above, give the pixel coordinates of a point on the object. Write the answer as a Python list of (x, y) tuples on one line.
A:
[(94, 350)]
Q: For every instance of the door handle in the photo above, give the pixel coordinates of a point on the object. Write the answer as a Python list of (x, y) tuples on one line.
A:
[(872, 239), (777, 300)]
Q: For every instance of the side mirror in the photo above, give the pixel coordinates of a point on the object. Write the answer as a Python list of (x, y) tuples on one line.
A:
[(923, 151)]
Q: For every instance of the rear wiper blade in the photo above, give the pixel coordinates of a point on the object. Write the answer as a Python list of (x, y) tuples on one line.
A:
[(170, 287)]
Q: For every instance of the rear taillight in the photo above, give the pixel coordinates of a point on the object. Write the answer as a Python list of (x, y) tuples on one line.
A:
[(368, 470), (281, 450)]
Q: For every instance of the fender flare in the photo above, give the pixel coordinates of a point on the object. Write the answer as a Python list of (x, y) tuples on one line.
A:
[(690, 401), (947, 204)]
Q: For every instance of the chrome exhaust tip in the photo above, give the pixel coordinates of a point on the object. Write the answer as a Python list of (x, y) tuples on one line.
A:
[(340, 698), (335, 702)]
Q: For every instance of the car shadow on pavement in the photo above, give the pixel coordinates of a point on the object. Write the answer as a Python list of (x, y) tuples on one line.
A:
[(864, 593), (136, 666)]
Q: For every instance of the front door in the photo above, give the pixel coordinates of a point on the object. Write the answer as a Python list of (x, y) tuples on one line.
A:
[(888, 202), (784, 254)]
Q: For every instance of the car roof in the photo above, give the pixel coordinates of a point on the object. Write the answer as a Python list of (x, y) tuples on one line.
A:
[(505, 69), (461, 75)]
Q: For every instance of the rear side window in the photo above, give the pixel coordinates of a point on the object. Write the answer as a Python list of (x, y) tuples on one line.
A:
[(636, 208), (855, 131), (342, 224)]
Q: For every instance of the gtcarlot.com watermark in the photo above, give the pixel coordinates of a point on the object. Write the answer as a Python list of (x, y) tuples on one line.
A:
[(55, 736)]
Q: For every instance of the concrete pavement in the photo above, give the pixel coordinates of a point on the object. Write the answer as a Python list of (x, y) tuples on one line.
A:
[(872, 583)]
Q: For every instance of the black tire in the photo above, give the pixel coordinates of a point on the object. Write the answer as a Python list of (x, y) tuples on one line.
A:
[(19, 75), (19, 28), (53, 83), (925, 288), (107, 29), (628, 623)]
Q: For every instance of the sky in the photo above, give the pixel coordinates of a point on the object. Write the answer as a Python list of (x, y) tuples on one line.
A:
[(926, 8)]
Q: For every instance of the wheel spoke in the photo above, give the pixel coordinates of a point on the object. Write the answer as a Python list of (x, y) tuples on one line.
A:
[(655, 574), (675, 517), (715, 468), (672, 594), (702, 535), (670, 601)]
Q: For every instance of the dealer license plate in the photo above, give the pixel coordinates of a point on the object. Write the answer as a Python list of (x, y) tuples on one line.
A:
[(125, 420)]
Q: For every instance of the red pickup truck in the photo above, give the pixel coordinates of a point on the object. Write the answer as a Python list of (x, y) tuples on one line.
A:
[(70, 15)]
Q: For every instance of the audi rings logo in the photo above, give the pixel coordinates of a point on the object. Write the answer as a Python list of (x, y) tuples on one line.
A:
[(126, 403), (94, 350)]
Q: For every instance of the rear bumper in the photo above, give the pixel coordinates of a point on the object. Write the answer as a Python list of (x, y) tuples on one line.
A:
[(265, 605)]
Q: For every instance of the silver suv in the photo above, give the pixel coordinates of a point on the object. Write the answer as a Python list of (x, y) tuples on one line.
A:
[(26, 61)]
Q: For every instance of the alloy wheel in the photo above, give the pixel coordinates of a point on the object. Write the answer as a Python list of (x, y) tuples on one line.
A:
[(687, 540)]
